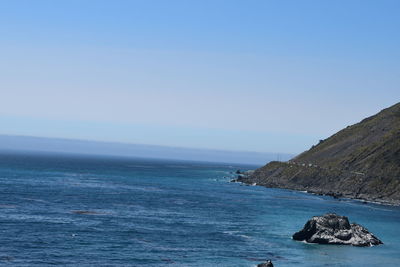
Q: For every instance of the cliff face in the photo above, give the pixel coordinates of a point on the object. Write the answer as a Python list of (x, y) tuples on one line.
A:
[(361, 161)]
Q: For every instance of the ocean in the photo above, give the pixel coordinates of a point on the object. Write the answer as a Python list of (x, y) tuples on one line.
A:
[(74, 210)]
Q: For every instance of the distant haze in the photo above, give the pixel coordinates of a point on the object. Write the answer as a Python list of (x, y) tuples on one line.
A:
[(211, 74), (37, 144)]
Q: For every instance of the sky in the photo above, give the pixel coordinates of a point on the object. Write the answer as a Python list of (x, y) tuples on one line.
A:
[(264, 76)]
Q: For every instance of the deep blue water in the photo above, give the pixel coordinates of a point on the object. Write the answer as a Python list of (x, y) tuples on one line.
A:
[(81, 211)]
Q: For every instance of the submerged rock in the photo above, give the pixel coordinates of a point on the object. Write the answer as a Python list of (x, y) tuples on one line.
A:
[(335, 229), (268, 263)]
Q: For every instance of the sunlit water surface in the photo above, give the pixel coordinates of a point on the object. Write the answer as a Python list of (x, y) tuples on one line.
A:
[(81, 211)]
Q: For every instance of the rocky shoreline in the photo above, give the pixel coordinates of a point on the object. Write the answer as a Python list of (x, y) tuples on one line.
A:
[(249, 178), (361, 162)]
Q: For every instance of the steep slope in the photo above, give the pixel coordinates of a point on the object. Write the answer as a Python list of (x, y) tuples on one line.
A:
[(361, 161)]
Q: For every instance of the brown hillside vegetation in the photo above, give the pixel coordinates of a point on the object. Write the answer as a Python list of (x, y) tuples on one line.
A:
[(361, 161)]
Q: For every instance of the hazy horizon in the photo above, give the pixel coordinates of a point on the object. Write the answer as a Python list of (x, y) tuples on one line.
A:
[(230, 75), (32, 144)]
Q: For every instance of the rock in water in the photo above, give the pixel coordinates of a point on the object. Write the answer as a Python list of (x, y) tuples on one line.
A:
[(268, 263), (335, 229)]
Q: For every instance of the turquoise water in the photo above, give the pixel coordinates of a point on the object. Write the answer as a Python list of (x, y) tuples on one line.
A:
[(81, 211)]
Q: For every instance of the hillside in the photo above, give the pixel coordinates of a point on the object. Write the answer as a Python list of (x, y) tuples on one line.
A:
[(361, 161)]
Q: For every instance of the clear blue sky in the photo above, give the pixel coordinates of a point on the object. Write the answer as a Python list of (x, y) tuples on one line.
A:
[(268, 76)]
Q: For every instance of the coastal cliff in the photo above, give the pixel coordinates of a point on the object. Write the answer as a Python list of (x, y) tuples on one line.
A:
[(361, 161)]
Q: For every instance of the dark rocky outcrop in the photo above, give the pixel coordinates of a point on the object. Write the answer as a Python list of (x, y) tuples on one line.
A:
[(361, 161), (268, 263), (336, 230), (242, 175)]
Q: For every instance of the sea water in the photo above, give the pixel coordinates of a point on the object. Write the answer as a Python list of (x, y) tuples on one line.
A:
[(108, 211)]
